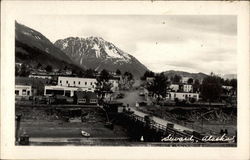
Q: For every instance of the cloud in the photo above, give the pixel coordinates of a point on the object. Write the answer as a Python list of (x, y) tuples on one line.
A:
[(201, 43), (222, 24)]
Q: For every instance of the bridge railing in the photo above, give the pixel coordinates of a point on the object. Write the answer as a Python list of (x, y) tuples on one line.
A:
[(163, 128)]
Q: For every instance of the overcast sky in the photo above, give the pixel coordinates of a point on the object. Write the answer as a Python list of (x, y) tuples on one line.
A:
[(189, 43)]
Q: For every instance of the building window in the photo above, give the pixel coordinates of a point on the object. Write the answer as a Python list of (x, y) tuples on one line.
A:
[(60, 81), (93, 100), (83, 100), (90, 83), (67, 93), (74, 82), (67, 82), (24, 92), (16, 92), (85, 83), (79, 82)]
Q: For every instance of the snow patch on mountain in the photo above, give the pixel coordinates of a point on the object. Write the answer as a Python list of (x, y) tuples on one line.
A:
[(97, 50), (93, 46), (65, 45), (27, 33), (112, 52), (37, 37)]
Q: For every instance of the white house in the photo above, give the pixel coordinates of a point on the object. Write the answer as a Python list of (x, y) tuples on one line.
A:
[(227, 87), (182, 95), (62, 90), (150, 79), (174, 87), (115, 84), (77, 82), (187, 88), (40, 76), (184, 80), (23, 90)]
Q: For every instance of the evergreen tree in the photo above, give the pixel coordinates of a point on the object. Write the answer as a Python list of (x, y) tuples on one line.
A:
[(211, 88), (118, 72)]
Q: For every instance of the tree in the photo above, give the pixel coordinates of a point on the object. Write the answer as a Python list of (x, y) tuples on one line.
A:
[(104, 76), (48, 68), (103, 86), (190, 81), (177, 79), (38, 66), (16, 71), (80, 74), (129, 75), (24, 72), (211, 88), (159, 86), (226, 82), (147, 74), (118, 72), (233, 83), (196, 86), (89, 73)]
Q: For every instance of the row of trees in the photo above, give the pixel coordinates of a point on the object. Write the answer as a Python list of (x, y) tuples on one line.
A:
[(22, 71), (210, 89), (175, 79)]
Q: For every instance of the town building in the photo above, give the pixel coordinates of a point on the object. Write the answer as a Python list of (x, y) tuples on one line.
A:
[(184, 80), (227, 87), (89, 83), (63, 90), (68, 72), (18, 65), (115, 84), (187, 88), (174, 87), (40, 76), (150, 79), (85, 97), (23, 90), (182, 96)]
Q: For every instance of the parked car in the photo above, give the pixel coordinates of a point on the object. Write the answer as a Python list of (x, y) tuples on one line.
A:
[(120, 95), (141, 94)]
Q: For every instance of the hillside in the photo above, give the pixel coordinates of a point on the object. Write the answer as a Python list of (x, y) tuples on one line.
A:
[(198, 76), (31, 47)]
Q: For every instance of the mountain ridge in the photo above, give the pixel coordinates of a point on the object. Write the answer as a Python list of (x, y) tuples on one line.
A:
[(97, 53), (32, 47), (200, 76)]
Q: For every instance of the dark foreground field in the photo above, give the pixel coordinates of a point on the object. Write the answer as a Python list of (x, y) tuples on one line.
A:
[(44, 127)]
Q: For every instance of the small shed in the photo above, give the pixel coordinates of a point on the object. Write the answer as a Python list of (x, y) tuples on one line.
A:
[(83, 97), (113, 106)]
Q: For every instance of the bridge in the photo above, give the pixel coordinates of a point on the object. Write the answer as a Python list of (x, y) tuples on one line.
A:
[(156, 129)]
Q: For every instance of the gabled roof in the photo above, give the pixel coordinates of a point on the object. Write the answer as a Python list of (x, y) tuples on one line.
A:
[(87, 95)]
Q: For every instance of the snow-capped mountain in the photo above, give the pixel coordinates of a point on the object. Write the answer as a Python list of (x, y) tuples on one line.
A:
[(98, 54)]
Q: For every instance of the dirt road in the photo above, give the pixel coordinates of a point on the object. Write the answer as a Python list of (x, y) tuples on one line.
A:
[(132, 96)]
